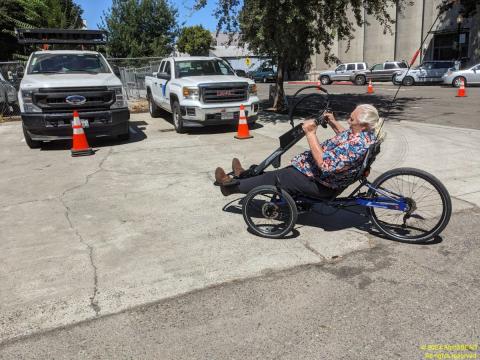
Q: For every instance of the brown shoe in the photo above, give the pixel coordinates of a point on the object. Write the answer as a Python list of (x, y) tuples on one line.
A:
[(229, 190), (237, 167), (221, 177)]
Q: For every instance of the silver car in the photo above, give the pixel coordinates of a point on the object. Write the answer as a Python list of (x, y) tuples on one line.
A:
[(469, 76), (428, 72), (341, 73)]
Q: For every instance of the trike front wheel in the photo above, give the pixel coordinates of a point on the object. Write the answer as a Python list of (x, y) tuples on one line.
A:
[(269, 212), (428, 211)]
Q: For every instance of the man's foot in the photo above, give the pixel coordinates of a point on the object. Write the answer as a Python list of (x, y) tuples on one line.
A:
[(223, 180), (237, 167), (221, 177)]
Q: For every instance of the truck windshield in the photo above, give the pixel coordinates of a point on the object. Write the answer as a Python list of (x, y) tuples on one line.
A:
[(201, 68), (67, 63)]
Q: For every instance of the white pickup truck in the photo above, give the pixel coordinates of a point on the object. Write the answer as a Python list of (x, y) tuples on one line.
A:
[(58, 82), (200, 91)]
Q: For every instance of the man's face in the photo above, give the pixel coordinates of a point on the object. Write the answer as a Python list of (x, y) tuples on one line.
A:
[(353, 119)]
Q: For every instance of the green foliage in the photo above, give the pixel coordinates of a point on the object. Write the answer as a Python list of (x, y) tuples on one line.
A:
[(291, 31), (61, 14), (194, 40), (139, 28)]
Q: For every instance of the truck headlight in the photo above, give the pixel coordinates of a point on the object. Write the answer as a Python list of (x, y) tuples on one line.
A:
[(252, 89), (120, 98), (190, 93), (28, 105)]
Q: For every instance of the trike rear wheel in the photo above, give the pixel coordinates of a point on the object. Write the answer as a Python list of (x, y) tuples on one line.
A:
[(269, 212), (429, 205)]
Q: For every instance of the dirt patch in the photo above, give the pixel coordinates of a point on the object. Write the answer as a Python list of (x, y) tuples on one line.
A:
[(4, 119)]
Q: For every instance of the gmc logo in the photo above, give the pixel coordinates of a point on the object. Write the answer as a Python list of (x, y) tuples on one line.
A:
[(224, 92)]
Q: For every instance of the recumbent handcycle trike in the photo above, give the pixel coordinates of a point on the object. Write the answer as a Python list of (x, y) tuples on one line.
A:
[(404, 204)]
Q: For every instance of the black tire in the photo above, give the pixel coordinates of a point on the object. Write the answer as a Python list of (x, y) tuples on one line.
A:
[(177, 118), (408, 81), (360, 80), (153, 108), (32, 144), (458, 80), (393, 80), (425, 194), (262, 204), (325, 80)]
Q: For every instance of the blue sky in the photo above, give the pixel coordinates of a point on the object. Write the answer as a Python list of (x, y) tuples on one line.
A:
[(93, 10)]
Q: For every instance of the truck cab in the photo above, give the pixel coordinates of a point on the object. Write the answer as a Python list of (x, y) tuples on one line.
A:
[(200, 91), (57, 82)]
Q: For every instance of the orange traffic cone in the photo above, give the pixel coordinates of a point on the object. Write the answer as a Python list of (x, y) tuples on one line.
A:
[(80, 145), (370, 88), (243, 132), (461, 90)]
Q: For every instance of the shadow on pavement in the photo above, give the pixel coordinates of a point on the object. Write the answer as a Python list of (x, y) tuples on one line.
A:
[(343, 104), (137, 134), (330, 219)]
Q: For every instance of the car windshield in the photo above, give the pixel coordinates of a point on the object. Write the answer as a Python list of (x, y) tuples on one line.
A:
[(202, 68), (67, 63)]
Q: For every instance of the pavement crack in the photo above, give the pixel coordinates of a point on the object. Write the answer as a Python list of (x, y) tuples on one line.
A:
[(307, 246), (91, 250)]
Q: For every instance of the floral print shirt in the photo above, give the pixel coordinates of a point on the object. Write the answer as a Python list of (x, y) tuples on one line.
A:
[(342, 158)]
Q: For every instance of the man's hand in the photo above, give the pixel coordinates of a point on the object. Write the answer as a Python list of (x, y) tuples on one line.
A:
[(330, 118), (309, 126)]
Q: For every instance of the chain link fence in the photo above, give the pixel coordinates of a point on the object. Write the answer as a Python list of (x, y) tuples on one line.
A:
[(11, 73), (133, 72)]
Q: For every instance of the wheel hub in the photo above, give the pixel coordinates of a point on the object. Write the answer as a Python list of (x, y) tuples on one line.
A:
[(270, 210)]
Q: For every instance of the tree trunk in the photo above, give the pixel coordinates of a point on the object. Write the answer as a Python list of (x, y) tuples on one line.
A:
[(279, 101)]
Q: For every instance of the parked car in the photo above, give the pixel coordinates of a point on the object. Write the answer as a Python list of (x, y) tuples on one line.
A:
[(378, 72), (429, 72), (241, 73), (8, 95), (200, 91), (341, 73), (57, 82), (264, 74), (469, 76)]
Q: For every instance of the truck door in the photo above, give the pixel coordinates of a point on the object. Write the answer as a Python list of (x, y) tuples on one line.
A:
[(339, 73), (350, 70), (156, 87), (165, 85)]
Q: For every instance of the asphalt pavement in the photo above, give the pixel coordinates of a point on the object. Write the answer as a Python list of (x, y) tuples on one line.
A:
[(132, 253)]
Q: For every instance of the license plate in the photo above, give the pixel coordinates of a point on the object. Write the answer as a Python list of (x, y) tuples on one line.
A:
[(227, 115), (85, 123)]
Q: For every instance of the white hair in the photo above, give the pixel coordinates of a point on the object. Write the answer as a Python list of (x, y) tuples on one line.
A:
[(369, 116)]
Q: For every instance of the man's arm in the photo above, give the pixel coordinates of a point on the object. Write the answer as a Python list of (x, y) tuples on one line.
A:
[(334, 124), (310, 128)]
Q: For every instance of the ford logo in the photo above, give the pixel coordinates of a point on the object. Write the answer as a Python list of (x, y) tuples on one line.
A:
[(76, 99)]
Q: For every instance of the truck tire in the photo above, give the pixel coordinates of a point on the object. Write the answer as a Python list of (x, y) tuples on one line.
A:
[(360, 80), (177, 118), (408, 81), (325, 80), (153, 109), (32, 144)]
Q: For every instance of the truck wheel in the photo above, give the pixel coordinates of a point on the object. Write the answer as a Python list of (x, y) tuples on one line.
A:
[(32, 144), (152, 107), (325, 80), (458, 81), (408, 81), (177, 118), (360, 80)]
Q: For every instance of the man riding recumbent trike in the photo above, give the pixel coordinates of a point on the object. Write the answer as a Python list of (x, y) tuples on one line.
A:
[(404, 204)]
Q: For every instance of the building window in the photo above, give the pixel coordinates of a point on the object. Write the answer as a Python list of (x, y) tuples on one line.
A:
[(450, 46)]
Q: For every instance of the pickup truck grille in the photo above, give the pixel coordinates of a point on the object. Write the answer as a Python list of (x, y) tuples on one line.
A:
[(223, 93), (52, 100)]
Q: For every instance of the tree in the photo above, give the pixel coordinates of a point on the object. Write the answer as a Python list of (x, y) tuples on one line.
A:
[(140, 28), (194, 40), (290, 31), (60, 14)]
